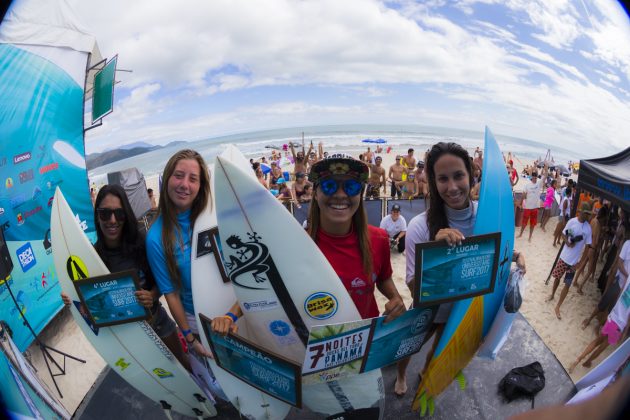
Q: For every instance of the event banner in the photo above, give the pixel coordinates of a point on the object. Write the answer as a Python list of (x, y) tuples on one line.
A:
[(340, 350), (41, 147), (447, 273), (262, 369)]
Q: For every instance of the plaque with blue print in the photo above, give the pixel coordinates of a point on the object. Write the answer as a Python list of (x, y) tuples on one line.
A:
[(111, 299), (446, 273)]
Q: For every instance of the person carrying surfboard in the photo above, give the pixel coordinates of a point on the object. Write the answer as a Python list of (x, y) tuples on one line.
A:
[(359, 253), (121, 246), (450, 217), (183, 196)]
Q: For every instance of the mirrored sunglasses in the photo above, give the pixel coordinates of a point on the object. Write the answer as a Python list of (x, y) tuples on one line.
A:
[(106, 214), (330, 186)]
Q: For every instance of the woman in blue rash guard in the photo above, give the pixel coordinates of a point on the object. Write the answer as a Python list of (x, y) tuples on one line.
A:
[(184, 195)]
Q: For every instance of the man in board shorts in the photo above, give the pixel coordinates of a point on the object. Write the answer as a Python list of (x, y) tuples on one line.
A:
[(577, 236), (530, 202)]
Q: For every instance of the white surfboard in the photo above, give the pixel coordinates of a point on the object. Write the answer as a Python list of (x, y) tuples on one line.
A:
[(213, 297), (285, 285), (133, 350)]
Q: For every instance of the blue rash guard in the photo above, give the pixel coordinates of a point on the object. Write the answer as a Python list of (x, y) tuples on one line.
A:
[(157, 259)]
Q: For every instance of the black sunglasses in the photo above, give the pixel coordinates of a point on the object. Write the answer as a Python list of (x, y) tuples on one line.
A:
[(106, 214)]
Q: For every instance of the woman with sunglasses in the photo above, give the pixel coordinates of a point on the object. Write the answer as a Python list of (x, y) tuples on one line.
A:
[(121, 247), (450, 217), (337, 222), (184, 194), (359, 253)]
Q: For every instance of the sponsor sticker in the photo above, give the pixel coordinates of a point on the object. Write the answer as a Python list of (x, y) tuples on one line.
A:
[(20, 219), (76, 268), (122, 364), (320, 305), (260, 305), (26, 176), (161, 373), (8, 183), (48, 168), (26, 257), (279, 328), (22, 157)]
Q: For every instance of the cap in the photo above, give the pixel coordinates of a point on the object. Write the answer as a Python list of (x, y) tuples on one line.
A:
[(339, 164), (585, 208), (420, 164), (395, 207)]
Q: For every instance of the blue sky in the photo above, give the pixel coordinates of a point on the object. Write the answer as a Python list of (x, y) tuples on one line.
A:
[(550, 71)]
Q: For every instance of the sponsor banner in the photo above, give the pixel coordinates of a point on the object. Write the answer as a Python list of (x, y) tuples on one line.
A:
[(340, 350), (37, 155), (447, 273), (259, 367)]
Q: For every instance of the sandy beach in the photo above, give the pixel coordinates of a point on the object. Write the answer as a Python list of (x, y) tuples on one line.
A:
[(565, 337)]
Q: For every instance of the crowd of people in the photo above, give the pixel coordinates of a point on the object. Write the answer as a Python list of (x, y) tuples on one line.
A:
[(335, 186)]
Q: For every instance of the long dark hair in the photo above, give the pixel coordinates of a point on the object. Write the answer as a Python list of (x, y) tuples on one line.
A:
[(171, 234), (132, 241), (436, 213)]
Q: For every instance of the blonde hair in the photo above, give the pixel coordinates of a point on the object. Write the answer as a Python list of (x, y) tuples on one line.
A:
[(171, 232), (360, 224)]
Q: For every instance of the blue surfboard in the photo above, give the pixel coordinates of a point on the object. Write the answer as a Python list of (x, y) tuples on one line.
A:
[(471, 319)]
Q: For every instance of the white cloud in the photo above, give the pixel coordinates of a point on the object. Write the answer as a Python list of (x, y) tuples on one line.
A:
[(366, 53)]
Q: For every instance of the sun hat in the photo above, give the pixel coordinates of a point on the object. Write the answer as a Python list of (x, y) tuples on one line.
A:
[(339, 164)]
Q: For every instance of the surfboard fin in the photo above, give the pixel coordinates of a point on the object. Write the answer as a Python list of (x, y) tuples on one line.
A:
[(431, 404), (166, 407), (461, 380), (423, 404)]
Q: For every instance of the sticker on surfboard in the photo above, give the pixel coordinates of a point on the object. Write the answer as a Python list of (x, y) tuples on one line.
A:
[(321, 305)]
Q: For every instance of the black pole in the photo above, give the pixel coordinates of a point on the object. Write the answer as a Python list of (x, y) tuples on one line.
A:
[(554, 263), (45, 349)]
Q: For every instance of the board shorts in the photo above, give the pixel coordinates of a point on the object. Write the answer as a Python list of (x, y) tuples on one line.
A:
[(612, 331), (161, 323), (561, 268), (531, 215)]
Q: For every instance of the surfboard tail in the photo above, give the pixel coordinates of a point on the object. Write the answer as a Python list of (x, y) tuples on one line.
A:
[(456, 354)]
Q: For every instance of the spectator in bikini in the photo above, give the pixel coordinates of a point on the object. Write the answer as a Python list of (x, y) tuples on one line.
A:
[(260, 176), (276, 174), (300, 158), (308, 194), (614, 285), (407, 188), (298, 185), (597, 222), (615, 330), (395, 175), (549, 197), (376, 180)]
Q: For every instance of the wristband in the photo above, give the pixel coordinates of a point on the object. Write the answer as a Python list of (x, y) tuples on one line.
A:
[(186, 332), (231, 316)]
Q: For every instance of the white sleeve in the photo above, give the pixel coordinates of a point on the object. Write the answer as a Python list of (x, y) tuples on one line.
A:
[(417, 232)]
